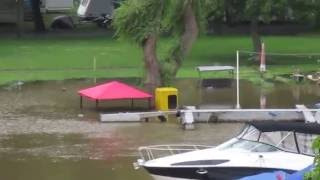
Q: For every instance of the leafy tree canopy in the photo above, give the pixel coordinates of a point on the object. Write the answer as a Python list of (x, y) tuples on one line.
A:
[(315, 174)]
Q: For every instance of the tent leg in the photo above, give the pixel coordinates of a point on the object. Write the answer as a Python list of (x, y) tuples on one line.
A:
[(97, 103), (149, 103), (81, 105), (132, 104)]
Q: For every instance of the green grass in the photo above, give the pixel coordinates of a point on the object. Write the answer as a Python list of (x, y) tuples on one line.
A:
[(56, 58)]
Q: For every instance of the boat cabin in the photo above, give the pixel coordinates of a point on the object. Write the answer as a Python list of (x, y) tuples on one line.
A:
[(271, 136)]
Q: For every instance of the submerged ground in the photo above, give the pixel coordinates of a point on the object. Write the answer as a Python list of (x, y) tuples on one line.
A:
[(42, 136)]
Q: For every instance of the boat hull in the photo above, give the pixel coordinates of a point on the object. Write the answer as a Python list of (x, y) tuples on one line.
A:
[(207, 173), (157, 177)]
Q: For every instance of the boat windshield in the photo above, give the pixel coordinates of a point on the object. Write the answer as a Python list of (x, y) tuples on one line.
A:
[(247, 146), (277, 140)]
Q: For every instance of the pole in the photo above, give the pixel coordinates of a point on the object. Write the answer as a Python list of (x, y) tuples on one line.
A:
[(238, 90), (81, 105), (94, 70), (262, 58)]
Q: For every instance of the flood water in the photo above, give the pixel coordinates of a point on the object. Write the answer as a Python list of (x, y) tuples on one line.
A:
[(42, 136)]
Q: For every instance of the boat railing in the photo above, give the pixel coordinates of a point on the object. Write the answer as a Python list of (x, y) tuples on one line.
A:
[(157, 151)]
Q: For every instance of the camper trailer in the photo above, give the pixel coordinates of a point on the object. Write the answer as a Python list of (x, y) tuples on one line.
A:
[(99, 11), (48, 6), (8, 11), (56, 5)]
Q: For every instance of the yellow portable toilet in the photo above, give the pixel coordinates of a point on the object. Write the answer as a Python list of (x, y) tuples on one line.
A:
[(166, 98)]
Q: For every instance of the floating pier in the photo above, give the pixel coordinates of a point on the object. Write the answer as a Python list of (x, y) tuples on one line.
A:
[(244, 115), (191, 115), (135, 116), (308, 116)]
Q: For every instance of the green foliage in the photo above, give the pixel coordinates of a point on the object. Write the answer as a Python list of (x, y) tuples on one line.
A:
[(174, 13), (137, 19), (170, 64), (174, 22), (315, 174), (268, 10), (304, 10), (166, 72)]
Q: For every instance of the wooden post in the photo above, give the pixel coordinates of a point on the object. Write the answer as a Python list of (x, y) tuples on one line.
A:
[(81, 105)]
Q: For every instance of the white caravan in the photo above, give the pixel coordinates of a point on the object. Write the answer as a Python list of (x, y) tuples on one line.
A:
[(56, 5)]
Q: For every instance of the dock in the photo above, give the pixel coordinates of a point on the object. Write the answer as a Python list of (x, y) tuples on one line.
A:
[(135, 116), (308, 115), (191, 115)]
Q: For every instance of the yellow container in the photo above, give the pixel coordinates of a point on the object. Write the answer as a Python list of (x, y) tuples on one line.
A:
[(166, 98)]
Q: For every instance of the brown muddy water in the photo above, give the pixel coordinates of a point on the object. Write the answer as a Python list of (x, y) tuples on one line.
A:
[(43, 138)]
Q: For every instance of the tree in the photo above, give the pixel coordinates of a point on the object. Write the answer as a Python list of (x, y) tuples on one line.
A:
[(37, 16), (140, 21), (315, 174), (143, 21), (265, 11), (185, 19)]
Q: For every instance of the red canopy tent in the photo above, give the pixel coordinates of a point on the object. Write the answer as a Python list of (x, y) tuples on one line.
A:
[(113, 90)]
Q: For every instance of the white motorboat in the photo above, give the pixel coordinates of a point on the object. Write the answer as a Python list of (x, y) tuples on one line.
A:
[(262, 146)]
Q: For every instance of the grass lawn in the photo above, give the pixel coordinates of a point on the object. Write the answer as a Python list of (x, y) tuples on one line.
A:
[(56, 58)]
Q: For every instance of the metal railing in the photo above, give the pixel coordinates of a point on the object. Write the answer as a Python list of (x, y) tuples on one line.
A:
[(157, 151)]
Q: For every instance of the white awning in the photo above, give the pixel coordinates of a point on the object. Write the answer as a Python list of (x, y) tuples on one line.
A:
[(215, 68)]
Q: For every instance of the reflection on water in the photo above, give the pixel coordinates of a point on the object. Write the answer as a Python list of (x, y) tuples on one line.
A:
[(280, 96), (96, 155), (43, 138)]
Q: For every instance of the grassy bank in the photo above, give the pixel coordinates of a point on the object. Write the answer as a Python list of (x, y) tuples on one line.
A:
[(55, 58)]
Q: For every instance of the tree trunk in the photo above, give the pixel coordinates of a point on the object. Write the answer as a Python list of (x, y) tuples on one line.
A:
[(228, 15), (189, 36), (37, 17), (20, 16), (317, 21), (256, 40), (151, 64)]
